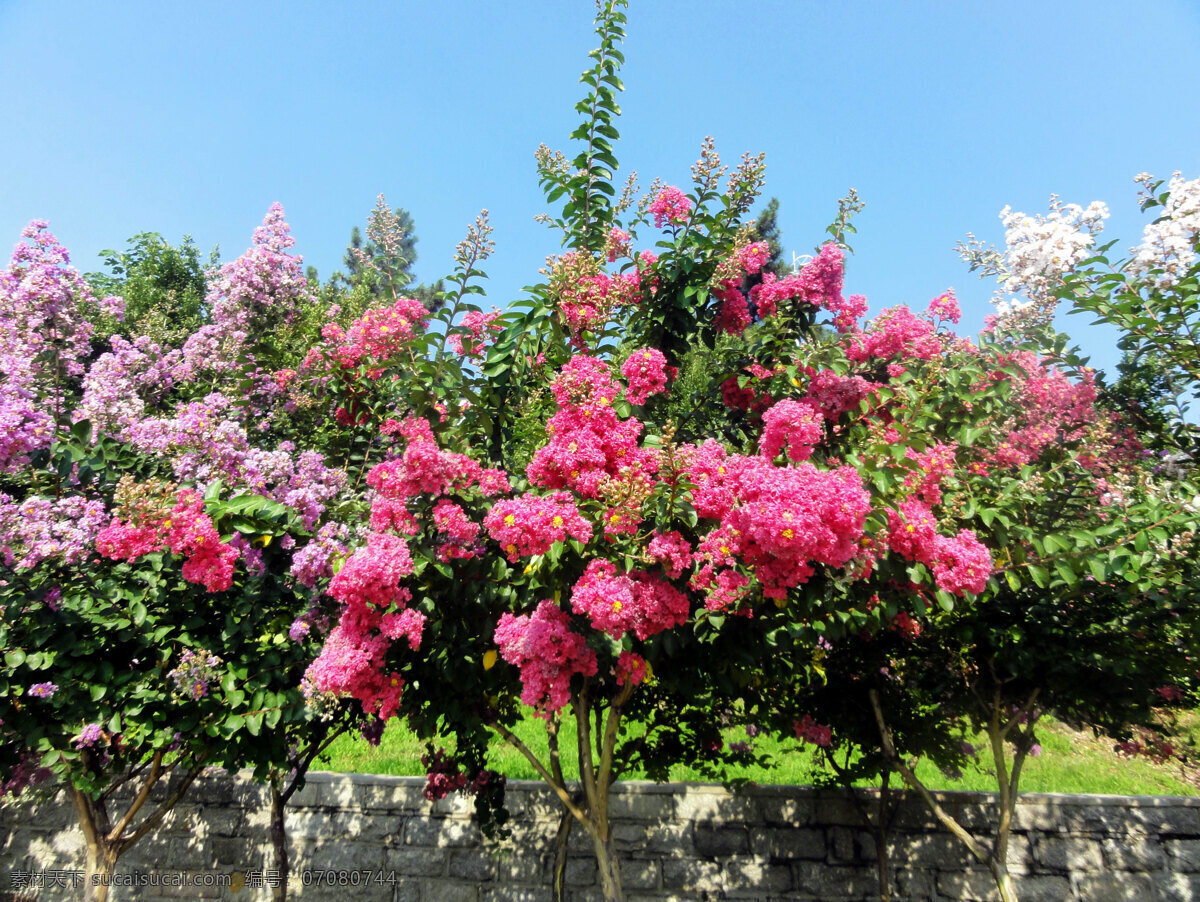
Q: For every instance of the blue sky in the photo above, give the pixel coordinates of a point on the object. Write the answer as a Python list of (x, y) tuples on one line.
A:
[(194, 118)]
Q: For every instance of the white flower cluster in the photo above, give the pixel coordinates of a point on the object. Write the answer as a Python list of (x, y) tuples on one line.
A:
[(1168, 246), (1042, 249)]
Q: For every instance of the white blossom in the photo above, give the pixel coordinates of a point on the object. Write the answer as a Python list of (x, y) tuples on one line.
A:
[(1168, 246)]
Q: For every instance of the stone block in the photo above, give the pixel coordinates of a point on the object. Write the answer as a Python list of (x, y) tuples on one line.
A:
[(516, 894), (581, 872), (1043, 888), (647, 838), (639, 873), (778, 810), (1068, 853), (1183, 854), (441, 832), (449, 891), (1117, 887), (521, 866), (711, 803), (691, 875), (752, 876), (972, 885), (934, 850), (472, 864), (1179, 887), (415, 861), (784, 845), (713, 839), (821, 881), (337, 854), (649, 807), (1133, 853)]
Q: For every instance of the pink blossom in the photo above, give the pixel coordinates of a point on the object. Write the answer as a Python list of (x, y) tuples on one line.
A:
[(671, 550), (752, 257), (548, 654), (372, 574), (794, 425), (636, 602), (531, 524), (631, 668), (645, 371), (944, 306), (670, 207)]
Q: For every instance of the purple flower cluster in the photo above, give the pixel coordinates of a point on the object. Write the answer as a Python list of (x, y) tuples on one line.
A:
[(251, 295), (119, 384), (89, 736), (40, 529), (43, 338), (314, 561), (195, 671), (42, 690)]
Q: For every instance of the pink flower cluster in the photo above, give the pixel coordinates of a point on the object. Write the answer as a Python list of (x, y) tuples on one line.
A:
[(188, 531), (934, 464), (375, 616), (646, 374), (818, 284), (670, 207), (671, 550), (459, 530), (619, 603), (376, 337), (371, 576), (631, 668), (833, 395), (733, 316), (777, 521), (752, 257), (896, 334), (960, 563), (424, 468), (795, 425), (191, 533), (588, 443), (43, 336), (250, 296), (530, 524), (548, 654), (944, 307), (617, 245), (482, 329), (40, 529), (1053, 409)]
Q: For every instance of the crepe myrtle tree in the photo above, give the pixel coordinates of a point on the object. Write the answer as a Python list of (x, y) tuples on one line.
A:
[(154, 562), (544, 536)]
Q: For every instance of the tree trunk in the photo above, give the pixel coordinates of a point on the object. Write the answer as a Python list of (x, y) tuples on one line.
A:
[(1004, 881), (560, 856), (879, 830), (101, 863), (279, 843), (609, 866)]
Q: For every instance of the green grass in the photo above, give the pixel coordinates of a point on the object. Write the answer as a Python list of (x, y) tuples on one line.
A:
[(1069, 762)]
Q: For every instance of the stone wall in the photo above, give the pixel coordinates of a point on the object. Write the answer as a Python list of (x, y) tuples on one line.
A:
[(678, 841)]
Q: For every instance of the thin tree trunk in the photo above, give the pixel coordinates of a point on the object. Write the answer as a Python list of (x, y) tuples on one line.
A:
[(560, 855), (609, 866), (279, 843), (879, 830)]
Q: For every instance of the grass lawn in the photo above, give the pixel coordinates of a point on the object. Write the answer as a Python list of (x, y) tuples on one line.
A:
[(1069, 762)]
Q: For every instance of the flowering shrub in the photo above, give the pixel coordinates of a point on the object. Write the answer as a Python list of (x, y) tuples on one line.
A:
[(642, 493)]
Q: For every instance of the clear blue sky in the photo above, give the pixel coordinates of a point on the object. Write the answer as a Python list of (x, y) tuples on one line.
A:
[(194, 118)]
